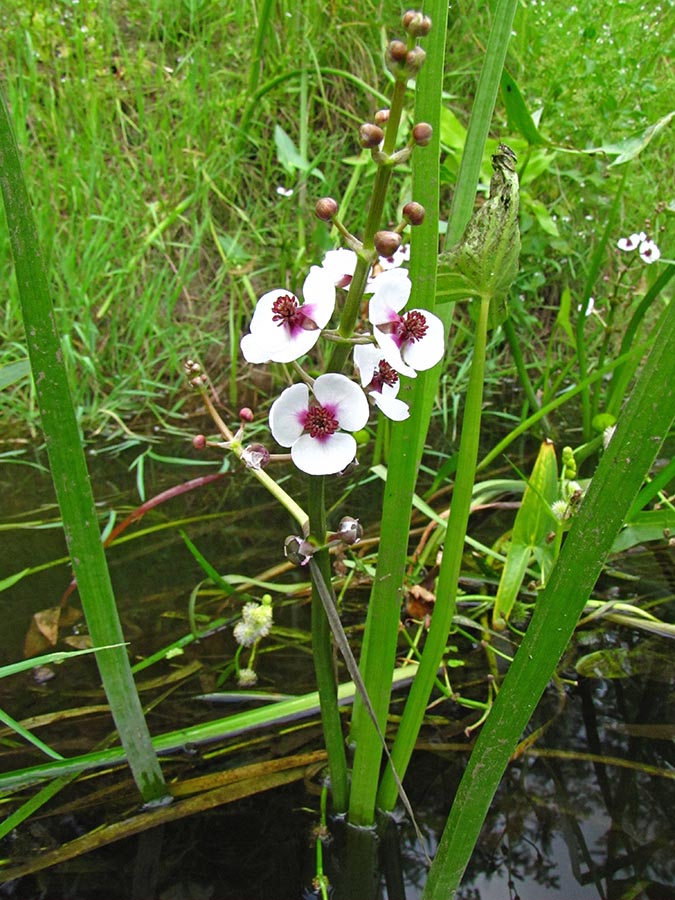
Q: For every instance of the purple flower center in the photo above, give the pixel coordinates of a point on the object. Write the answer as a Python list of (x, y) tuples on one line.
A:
[(412, 326), (384, 374), (320, 422), (286, 311)]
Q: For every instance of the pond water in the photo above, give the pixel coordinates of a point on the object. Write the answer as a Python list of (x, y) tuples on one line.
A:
[(586, 813)]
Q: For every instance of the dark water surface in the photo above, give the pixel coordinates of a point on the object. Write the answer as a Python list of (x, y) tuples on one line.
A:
[(568, 821)]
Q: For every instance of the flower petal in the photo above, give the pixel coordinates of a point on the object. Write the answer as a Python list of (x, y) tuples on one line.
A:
[(253, 349), (391, 352), (288, 413), (318, 292), (340, 265), (649, 252), (392, 290), (366, 359), (345, 398), (390, 405), (426, 352), (326, 456)]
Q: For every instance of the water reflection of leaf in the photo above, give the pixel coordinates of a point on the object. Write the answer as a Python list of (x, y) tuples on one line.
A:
[(623, 662)]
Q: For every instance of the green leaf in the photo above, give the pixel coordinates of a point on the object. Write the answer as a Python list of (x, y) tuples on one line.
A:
[(485, 261), (290, 158), (651, 525), (13, 372), (519, 118), (532, 525), (624, 662)]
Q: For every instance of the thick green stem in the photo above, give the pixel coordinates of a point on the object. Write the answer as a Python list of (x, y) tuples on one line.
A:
[(322, 652), (446, 590)]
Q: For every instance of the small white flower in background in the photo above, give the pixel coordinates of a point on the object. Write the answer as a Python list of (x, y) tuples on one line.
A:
[(648, 250), (590, 306), (311, 428), (632, 242), (284, 192), (256, 623), (247, 678), (560, 509), (282, 328), (411, 342), (380, 381)]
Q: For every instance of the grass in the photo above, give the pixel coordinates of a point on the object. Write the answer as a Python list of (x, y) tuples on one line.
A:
[(161, 218)]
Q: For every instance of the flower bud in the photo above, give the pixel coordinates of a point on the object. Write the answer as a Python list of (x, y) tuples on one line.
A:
[(297, 550), (245, 414), (414, 60), (325, 209), (422, 134), (396, 55), (382, 117), (199, 442), (416, 23), (255, 456), (414, 213), (370, 136), (387, 242)]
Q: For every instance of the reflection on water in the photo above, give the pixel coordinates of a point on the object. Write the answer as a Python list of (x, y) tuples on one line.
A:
[(566, 823)]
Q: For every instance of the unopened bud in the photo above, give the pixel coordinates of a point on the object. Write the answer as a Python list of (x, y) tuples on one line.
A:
[(199, 442), (382, 117), (370, 136), (416, 23), (396, 54), (422, 133), (414, 213), (414, 60), (325, 209), (245, 414), (192, 368), (387, 242), (297, 550), (255, 456)]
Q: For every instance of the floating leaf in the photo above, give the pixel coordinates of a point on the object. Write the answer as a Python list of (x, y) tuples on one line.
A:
[(621, 662)]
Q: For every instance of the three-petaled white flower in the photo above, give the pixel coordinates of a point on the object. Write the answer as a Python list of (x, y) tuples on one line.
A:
[(412, 341), (311, 426), (380, 380), (282, 328), (340, 265), (648, 250)]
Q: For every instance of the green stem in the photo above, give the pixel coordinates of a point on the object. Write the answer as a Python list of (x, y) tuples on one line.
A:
[(322, 652), (446, 590)]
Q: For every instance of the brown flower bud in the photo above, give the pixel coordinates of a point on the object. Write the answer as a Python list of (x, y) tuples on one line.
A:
[(245, 414), (416, 23), (396, 53), (370, 136), (326, 208), (422, 133), (382, 117), (387, 242), (414, 213), (199, 442), (414, 60)]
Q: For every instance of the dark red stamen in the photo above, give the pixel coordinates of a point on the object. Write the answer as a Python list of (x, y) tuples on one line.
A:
[(320, 422), (286, 311), (383, 374), (412, 326)]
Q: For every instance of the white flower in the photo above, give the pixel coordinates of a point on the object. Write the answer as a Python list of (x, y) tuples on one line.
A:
[(590, 306), (311, 428), (247, 678), (632, 242), (649, 252), (340, 265), (398, 257), (380, 380), (283, 329), (412, 341)]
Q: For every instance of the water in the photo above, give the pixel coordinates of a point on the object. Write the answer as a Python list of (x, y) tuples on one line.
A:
[(566, 823)]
